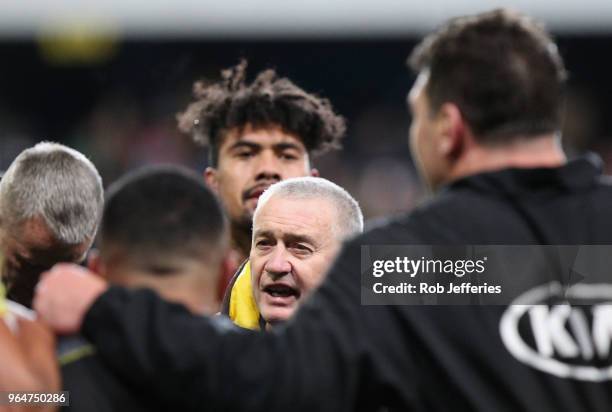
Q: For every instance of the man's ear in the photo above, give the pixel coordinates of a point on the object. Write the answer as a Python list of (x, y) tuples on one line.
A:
[(95, 264), (451, 130), (211, 179), (314, 172)]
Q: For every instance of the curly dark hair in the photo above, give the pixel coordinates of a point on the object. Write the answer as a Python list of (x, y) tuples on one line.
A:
[(269, 100), (502, 70)]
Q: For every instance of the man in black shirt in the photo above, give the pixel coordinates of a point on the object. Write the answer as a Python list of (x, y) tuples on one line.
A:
[(161, 229), (485, 132)]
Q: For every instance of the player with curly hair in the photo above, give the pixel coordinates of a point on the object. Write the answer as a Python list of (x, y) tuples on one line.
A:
[(257, 134)]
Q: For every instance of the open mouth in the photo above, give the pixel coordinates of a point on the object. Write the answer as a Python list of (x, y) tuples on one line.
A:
[(256, 193), (281, 291)]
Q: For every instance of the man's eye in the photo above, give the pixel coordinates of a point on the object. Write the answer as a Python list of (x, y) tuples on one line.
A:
[(262, 244), (302, 248), (288, 156), (244, 155)]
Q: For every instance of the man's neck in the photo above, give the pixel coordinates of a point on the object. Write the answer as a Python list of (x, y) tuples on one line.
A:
[(524, 153), (20, 282), (241, 240), (192, 286)]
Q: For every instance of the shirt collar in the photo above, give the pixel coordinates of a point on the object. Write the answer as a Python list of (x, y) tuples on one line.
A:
[(575, 175)]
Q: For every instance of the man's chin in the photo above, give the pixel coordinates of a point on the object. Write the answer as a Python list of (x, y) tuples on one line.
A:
[(250, 205), (277, 315)]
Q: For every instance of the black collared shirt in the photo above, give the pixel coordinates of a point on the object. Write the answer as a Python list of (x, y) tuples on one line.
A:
[(338, 355)]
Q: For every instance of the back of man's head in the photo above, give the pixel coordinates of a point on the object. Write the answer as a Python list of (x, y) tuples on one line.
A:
[(500, 68), (162, 226), (50, 203), (57, 184)]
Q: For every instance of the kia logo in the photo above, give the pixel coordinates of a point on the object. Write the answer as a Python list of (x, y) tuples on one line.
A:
[(569, 341)]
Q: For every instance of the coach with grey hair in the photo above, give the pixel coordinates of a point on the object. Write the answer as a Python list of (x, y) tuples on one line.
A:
[(50, 203), (298, 228)]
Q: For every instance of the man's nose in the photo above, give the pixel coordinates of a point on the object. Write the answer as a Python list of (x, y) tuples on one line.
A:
[(269, 167), (278, 264)]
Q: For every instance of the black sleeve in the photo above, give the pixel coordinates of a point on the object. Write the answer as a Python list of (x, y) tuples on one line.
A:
[(316, 362), (93, 388)]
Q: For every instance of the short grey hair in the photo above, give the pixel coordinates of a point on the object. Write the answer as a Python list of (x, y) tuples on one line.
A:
[(58, 184), (350, 217)]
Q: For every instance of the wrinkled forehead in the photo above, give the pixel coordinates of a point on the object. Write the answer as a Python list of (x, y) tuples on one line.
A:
[(314, 216), (269, 135)]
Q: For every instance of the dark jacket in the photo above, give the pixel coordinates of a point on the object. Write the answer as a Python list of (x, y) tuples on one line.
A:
[(92, 385), (340, 355)]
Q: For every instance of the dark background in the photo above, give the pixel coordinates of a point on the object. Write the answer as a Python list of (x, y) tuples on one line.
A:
[(116, 100)]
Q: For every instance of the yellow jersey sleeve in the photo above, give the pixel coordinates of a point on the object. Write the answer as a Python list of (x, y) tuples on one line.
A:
[(242, 308), (3, 307)]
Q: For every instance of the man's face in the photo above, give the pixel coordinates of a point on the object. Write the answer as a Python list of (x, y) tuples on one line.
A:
[(33, 240), (17, 244), (423, 135), (294, 243), (250, 160), (28, 250)]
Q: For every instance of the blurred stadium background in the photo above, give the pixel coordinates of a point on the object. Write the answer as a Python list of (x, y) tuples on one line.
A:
[(109, 77)]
